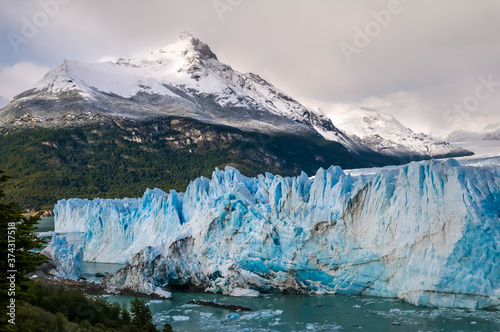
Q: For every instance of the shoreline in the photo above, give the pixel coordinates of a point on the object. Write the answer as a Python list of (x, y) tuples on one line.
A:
[(91, 288), (45, 213)]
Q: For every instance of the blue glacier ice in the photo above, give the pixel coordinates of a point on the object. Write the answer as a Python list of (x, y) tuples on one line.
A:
[(427, 232), (67, 258)]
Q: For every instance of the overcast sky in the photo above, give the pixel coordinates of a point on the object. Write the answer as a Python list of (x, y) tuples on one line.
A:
[(412, 59)]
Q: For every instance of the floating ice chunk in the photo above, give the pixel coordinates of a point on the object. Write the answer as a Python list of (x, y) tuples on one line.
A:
[(233, 316), (206, 314), (242, 292), (162, 293), (262, 314), (180, 318), (45, 234)]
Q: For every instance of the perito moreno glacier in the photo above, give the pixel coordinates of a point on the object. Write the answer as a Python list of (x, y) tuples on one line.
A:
[(427, 232)]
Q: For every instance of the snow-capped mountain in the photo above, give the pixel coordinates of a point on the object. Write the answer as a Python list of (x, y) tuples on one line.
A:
[(185, 79), (490, 132), (383, 133)]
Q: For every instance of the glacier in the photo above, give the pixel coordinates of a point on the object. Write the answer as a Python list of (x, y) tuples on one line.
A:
[(427, 232)]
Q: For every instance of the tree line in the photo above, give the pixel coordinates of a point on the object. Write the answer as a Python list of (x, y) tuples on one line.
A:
[(30, 305)]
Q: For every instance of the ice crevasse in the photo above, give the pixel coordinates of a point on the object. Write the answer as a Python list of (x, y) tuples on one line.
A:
[(428, 233)]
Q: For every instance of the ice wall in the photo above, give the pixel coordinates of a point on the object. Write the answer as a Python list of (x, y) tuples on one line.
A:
[(67, 258), (428, 233)]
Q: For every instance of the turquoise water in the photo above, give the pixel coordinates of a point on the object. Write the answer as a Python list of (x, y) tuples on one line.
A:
[(46, 224), (313, 313)]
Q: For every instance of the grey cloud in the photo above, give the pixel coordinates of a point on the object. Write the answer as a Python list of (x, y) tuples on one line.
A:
[(3, 102)]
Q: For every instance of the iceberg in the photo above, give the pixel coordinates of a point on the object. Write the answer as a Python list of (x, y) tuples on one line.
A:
[(162, 293), (242, 292), (427, 233)]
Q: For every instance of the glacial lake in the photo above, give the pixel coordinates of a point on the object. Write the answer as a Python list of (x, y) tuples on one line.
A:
[(313, 313), (46, 224), (276, 312)]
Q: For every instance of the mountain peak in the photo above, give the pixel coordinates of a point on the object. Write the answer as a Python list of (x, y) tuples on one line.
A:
[(184, 35), (188, 45), (199, 46)]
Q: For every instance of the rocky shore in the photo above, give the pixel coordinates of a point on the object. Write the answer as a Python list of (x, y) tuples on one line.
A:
[(91, 288), (45, 213)]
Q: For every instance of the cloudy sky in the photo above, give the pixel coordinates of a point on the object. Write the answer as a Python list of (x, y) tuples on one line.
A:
[(434, 65)]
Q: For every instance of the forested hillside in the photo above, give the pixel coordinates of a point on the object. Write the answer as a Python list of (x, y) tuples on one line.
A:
[(123, 158)]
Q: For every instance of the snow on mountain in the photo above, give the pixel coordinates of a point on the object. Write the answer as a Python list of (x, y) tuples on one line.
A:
[(426, 232), (490, 132), (186, 79), (90, 78), (175, 64), (383, 133), (182, 69)]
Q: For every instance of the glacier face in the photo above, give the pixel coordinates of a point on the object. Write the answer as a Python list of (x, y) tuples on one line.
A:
[(428, 233), (67, 258)]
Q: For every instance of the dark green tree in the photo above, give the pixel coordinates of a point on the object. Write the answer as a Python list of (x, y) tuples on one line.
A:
[(125, 315), (150, 327), (141, 313), (167, 328), (18, 255), (114, 311)]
